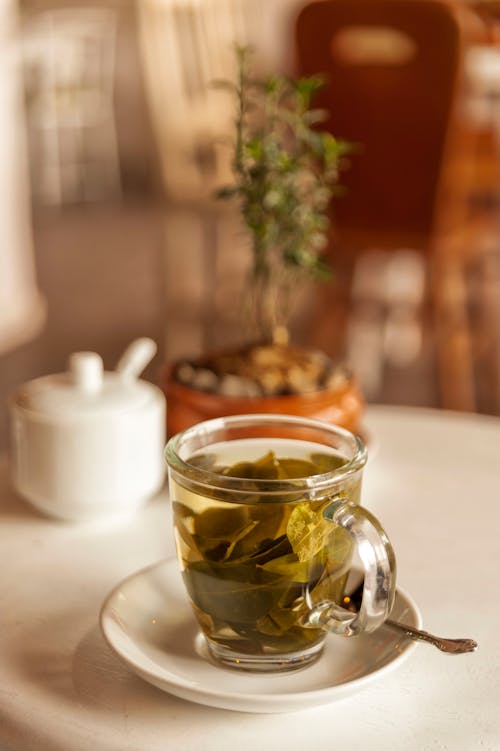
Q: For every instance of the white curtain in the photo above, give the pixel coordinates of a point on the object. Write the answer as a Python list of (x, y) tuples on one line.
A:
[(22, 308)]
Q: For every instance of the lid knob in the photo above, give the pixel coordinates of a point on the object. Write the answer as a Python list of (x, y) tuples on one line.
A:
[(87, 371)]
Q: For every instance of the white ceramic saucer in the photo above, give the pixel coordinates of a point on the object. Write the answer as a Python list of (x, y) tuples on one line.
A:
[(147, 620)]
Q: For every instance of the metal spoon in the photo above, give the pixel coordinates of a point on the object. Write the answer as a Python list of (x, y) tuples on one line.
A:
[(450, 646)]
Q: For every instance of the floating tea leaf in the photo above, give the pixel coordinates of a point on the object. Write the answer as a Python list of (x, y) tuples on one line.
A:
[(221, 522), (294, 468), (289, 566), (268, 468), (265, 468), (327, 462), (203, 461), (241, 469), (253, 565), (307, 531), (234, 594), (185, 525)]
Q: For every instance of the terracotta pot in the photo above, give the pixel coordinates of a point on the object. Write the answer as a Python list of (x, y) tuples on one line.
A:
[(342, 406)]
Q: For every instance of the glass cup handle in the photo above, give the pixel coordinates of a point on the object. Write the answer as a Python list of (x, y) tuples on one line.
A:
[(379, 564)]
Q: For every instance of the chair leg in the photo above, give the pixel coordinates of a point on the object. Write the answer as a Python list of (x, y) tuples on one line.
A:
[(454, 349)]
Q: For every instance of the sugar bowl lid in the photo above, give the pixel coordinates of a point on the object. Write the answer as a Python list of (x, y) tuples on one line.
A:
[(85, 389)]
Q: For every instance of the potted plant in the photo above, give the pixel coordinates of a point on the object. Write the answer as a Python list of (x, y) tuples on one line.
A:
[(286, 172)]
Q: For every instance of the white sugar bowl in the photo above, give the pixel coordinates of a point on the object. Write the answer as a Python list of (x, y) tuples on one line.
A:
[(88, 444)]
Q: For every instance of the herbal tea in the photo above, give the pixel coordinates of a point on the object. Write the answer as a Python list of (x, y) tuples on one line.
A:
[(253, 564)]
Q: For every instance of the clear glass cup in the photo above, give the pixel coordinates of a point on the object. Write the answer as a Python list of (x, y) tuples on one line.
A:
[(267, 519)]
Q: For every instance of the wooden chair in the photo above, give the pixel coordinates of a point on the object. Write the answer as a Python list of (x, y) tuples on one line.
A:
[(392, 68), (393, 75)]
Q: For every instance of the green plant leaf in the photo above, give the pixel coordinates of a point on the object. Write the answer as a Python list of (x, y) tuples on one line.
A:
[(276, 138), (227, 192), (312, 117)]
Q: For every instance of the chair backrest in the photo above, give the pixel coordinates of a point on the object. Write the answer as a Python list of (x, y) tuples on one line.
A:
[(392, 68)]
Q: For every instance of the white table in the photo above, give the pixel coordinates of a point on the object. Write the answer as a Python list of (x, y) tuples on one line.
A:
[(434, 482)]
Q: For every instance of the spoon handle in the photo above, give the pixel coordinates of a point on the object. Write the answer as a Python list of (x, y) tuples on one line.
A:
[(451, 646)]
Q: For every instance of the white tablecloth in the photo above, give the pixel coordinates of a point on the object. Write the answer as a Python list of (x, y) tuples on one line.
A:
[(433, 481)]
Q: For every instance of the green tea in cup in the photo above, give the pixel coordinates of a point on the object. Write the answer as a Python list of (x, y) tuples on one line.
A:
[(266, 519)]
